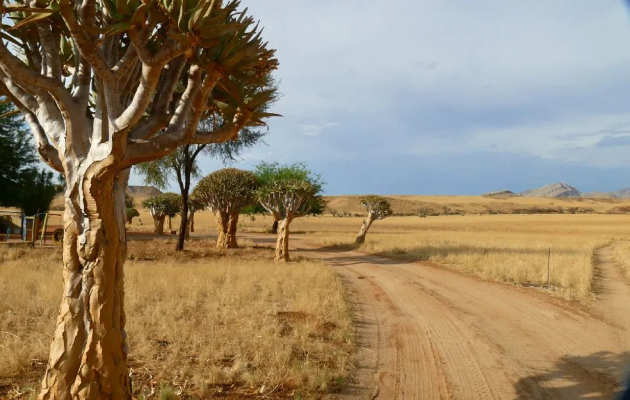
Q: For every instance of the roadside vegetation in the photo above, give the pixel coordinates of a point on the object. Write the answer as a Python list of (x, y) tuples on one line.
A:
[(621, 255), (512, 249), (201, 323)]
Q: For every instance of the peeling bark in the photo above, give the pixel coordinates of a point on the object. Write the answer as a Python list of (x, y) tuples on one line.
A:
[(88, 354), (226, 229), (282, 244)]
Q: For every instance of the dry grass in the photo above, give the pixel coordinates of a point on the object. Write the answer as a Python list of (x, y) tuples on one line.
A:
[(504, 248), (206, 323), (621, 255)]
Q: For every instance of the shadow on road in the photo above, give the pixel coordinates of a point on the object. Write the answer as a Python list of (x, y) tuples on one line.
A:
[(587, 377)]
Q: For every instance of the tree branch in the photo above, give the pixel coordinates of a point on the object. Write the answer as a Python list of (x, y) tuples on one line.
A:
[(86, 47)]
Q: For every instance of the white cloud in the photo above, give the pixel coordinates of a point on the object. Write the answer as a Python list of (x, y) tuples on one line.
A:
[(317, 129)]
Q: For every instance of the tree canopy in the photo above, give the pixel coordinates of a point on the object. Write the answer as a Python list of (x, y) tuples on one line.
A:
[(273, 172), (164, 205), (377, 206), (227, 190)]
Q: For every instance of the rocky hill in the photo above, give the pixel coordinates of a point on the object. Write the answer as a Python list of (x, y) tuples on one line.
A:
[(500, 194), (622, 194), (599, 195), (143, 191), (557, 190)]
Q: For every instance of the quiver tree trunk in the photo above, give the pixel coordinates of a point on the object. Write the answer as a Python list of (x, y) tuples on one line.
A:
[(158, 222), (226, 230), (274, 227), (190, 225), (170, 224), (282, 245), (88, 357), (364, 229)]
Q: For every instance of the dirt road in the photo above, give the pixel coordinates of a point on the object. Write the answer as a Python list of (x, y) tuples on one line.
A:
[(425, 332)]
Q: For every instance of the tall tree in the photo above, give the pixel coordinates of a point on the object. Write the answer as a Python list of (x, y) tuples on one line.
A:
[(226, 192), (103, 86), (17, 154), (37, 192), (183, 165), (267, 172), (378, 207), (287, 199)]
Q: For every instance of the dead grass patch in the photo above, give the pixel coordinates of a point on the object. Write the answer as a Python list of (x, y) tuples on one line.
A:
[(208, 323)]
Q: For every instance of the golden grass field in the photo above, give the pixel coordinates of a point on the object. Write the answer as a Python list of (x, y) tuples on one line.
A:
[(510, 248), (201, 323), (205, 321), (504, 248)]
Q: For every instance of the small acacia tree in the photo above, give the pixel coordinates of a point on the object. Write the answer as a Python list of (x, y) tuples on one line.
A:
[(378, 208), (226, 192), (287, 199), (105, 85), (162, 206)]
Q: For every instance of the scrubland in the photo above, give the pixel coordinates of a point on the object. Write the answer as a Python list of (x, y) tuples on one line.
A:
[(504, 248), (202, 323)]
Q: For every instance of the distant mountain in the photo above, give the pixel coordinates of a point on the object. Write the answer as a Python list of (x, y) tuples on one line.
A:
[(500, 194), (599, 195), (557, 190), (622, 194), (143, 191)]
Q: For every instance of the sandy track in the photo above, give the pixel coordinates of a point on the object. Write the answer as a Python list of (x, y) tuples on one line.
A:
[(425, 332)]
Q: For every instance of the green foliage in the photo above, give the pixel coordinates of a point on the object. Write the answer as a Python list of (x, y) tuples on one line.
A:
[(17, 155), (275, 172), (289, 197), (130, 202), (38, 192), (131, 214), (378, 206), (195, 203), (227, 190), (165, 204)]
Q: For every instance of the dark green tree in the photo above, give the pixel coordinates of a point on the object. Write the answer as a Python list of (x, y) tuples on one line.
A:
[(17, 155), (23, 185)]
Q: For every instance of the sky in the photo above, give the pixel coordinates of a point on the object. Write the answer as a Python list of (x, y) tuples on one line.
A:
[(449, 97)]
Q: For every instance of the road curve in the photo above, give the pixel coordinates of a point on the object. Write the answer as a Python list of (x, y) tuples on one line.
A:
[(425, 332)]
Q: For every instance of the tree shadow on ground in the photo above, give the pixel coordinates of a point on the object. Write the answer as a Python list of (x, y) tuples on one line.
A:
[(577, 377)]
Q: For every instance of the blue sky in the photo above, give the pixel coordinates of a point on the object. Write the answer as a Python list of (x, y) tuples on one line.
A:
[(449, 97)]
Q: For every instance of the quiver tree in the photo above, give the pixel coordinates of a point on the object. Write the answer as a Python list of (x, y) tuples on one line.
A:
[(194, 204), (162, 206), (182, 165), (286, 200), (272, 172), (226, 192), (105, 85), (378, 208)]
